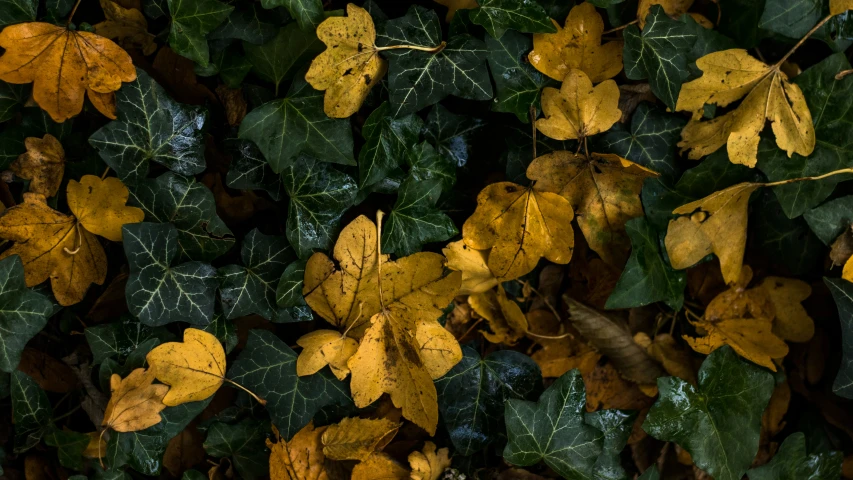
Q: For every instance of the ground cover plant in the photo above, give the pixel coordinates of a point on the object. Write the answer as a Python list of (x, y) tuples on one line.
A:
[(450, 239)]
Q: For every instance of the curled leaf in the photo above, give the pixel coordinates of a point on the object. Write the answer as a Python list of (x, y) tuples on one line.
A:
[(506, 320), (357, 438)]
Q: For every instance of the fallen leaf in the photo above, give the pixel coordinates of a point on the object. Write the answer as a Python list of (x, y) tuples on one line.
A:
[(604, 191), (842, 249), (379, 466), (504, 316), (454, 5), (43, 164), (673, 358), (791, 322), (727, 76), (49, 373), (520, 225), (357, 438), (839, 6), (64, 247), (234, 104), (63, 65), (177, 75), (772, 421), (325, 347), (673, 8), (577, 45), (715, 224), (127, 26), (476, 276), (184, 451), (429, 464), (194, 368), (351, 64), (606, 389), (97, 447), (578, 110), (299, 459), (135, 403), (555, 360)]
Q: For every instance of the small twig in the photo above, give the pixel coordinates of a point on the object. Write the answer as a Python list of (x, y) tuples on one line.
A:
[(434, 49), (104, 175), (259, 399), (620, 28), (470, 329), (73, 11), (842, 74)]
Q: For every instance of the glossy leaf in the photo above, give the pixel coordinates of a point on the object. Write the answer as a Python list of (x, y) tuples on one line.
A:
[(23, 313)]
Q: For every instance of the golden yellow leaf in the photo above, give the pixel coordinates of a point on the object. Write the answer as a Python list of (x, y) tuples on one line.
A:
[(577, 45), (357, 438), (97, 447), (403, 347), (194, 368), (454, 5), (604, 191), (99, 206), (63, 65), (504, 316), (727, 76), (325, 347), (715, 224), (43, 164), (791, 323), (429, 464), (672, 358), (520, 225), (578, 110), (127, 26), (476, 276), (350, 66), (839, 6), (299, 459), (379, 466), (673, 8), (772, 421), (135, 403), (557, 359)]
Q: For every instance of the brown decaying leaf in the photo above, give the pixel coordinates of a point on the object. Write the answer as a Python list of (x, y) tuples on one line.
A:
[(454, 5), (63, 66), (301, 458), (672, 357), (842, 248), (135, 403), (49, 373), (504, 316), (184, 451), (177, 75), (233, 102), (430, 463), (606, 389), (127, 26), (43, 164), (357, 438)]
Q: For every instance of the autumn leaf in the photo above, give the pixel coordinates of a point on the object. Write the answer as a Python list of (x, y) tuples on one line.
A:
[(726, 77), (63, 65), (351, 64), (43, 164), (577, 45), (301, 458), (357, 438), (604, 191), (520, 225), (578, 109), (194, 368), (476, 276), (64, 247), (715, 224), (430, 463), (127, 26), (379, 465), (325, 347), (837, 7), (792, 322), (504, 316), (393, 310), (673, 8), (454, 5), (135, 403)]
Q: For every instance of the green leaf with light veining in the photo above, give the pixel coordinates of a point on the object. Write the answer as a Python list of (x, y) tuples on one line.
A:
[(31, 411), (308, 13), (842, 292), (498, 16), (387, 141), (793, 462), (243, 443), (518, 84), (414, 220), (192, 20), (23, 313)]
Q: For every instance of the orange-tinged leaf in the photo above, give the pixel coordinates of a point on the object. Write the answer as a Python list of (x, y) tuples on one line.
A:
[(578, 110), (127, 26), (454, 5), (839, 6), (430, 463), (673, 8), (505, 318), (379, 466), (299, 459), (476, 276), (62, 64), (577, 45), (99, 205), (357, 438), (791, 323), (325, 347), (43, 164), (135, 403), (194, 368)]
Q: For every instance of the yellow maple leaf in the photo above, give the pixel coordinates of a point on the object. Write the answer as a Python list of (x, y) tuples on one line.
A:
[(520, 225), (791, 321), (357, 438), (63, 66), (64, 247), (839, 6), (604, 191), (476, 276), (43, 164), (714, 224), (127, 26), (504, 316), (673, 8), (135, 402), (393, 309), (350, 66), (325, 347), (299, 459), (194, 368), (379, 466), (96, 448), (578, 110), (454, 5), (577, 45), (429, 464), (673, 358), (726, 77)]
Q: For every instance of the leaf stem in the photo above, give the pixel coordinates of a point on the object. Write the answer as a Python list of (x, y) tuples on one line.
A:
[(435, 49), (532, 113), (803, 179), (259, 399), (73, 11), (623, 27), (379, 215), (802, 41)]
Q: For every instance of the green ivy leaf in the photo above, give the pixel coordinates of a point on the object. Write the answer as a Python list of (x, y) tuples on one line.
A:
[(829, 220), (386, 142), (418, 79), (719, 421), (793, 462), (451, 134), (278, 59), (251, 288), (70, 446), (119, 339), (243, 443), (23, 312), (553, 430), (12, 97), (249, 23), (471, 396), (739, 20), (192, 20), (842, 293), (708, 40), (158, 293), (17, 11), (426, 164), (31, 411), (790, 19), (224, 330), (659, 54), (498, 16), (518, 84), (289, 291), (284, 128), (151, 126), (651, 141), (616, 425), (651, 473), (136, 359), (782, 239), (647, 277), (414, 220), (267, 366), (190, 207), (319, 196), (308, 13), (229, 63), (249, 170)]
